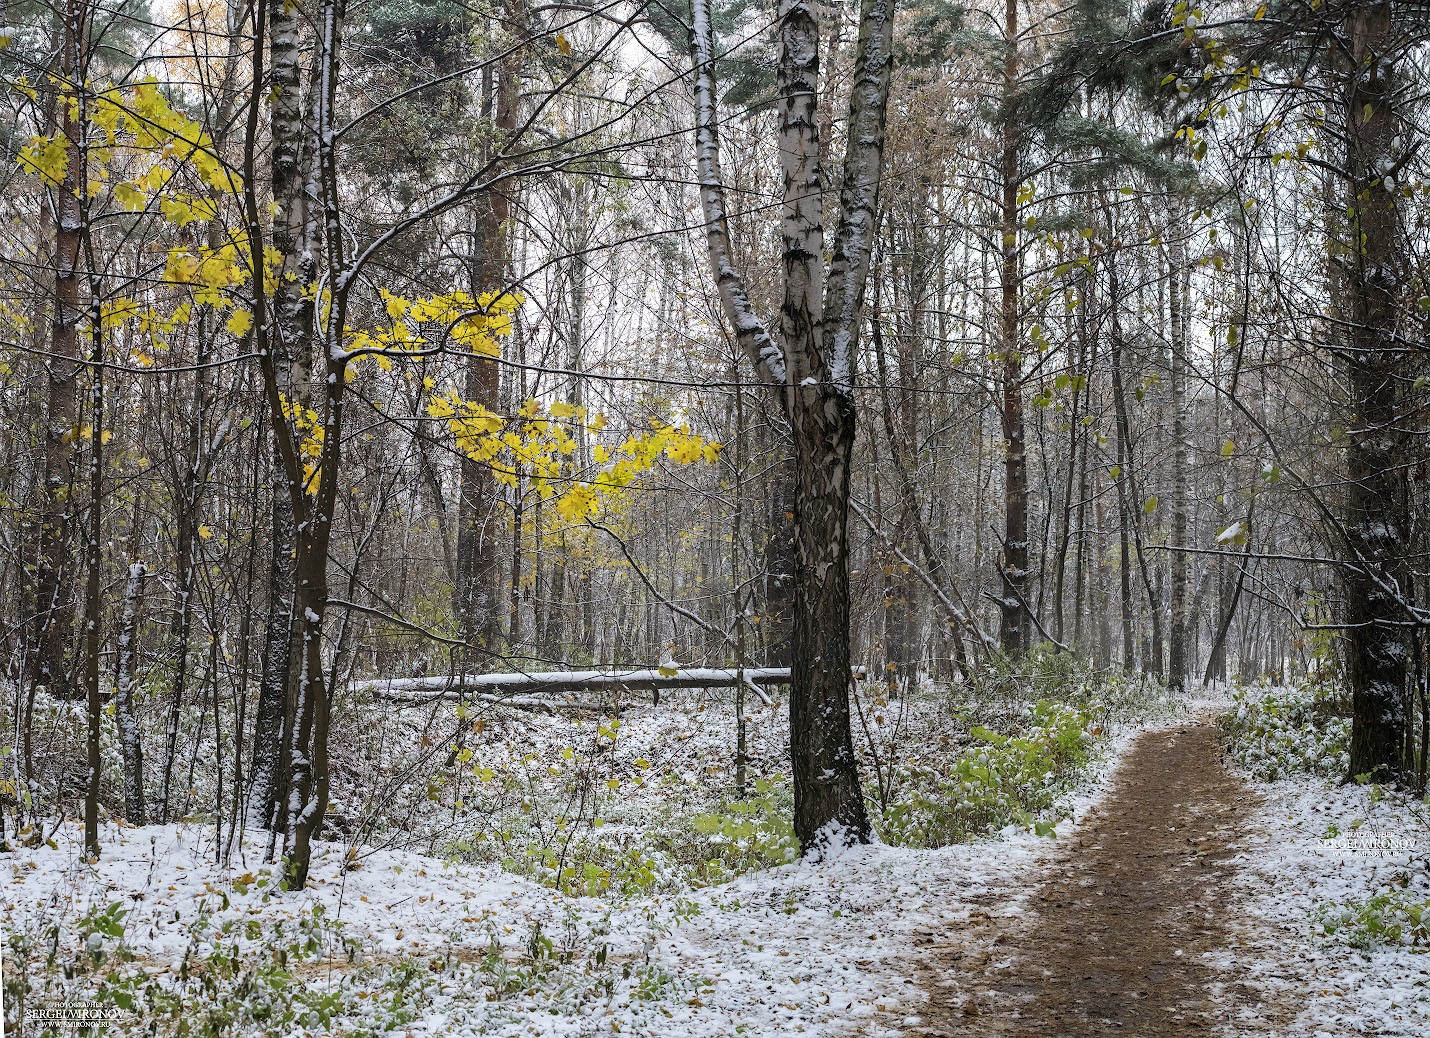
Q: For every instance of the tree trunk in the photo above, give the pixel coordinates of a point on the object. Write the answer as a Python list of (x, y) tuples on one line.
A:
[(295, 242), (828, 806), (1178, 663), (54, 602), (1124, 462), (126, 719), (269, 726), (308, 782), (1376, 510), (814, 361), (183, 610), (478, 604), (93, 602), (1013, 630)]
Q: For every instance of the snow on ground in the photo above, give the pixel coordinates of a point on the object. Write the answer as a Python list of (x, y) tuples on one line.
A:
[(817, 949), (811, 948), (1308, 859), (411, 944)]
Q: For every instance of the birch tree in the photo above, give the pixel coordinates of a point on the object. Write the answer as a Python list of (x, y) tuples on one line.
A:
[(810, 351)]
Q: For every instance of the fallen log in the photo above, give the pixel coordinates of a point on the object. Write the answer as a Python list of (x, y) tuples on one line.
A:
[(513, 689)]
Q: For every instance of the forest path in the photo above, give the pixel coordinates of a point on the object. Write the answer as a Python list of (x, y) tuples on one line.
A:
[(1116, 939)]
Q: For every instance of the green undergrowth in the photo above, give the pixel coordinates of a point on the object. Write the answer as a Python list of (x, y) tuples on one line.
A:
[(1392, 917), (1277, 733), (670, 853), (1000, 780), (941, 765), (305, 977), (994, 780)]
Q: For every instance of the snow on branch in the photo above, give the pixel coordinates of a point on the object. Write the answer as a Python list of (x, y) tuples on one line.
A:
[(501, 688), (754, 338)]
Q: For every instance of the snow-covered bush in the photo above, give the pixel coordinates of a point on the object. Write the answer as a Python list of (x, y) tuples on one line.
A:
[(1273, 733), (1388, 918), (999, 780), (748, 834), (1003, 686)]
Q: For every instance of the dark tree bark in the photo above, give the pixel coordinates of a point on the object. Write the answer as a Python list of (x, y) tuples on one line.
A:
[(477, 593), (291, 341), (813, 358), (131, 749), (93, 600), (1179, 629), (54, 601), (1014, 632), (1377, 521), (316, 501)]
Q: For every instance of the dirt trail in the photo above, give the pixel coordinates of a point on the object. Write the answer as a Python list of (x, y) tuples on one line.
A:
[(1113, 941)]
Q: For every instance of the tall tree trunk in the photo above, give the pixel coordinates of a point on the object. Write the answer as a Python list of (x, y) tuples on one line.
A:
[(1178, 662), (294, 240), (309, 778), (93, 602), (1013, 630), (478, 604), (131, 748), (1124, 464), (185, 499), (53, 622), (813, 359), (1377, 522), (827, 789)]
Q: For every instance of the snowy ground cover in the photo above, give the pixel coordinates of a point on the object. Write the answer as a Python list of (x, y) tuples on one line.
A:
[(564, 875), (1334, 909)]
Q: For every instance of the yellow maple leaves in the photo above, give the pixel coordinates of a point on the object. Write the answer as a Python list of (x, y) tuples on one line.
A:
[(537, 443), (136, 131), (309, 434), (239, 322), (580, 501), (474, 325), (47, 158)]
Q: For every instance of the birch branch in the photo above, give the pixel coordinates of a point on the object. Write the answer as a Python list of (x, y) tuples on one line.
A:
[(859, 195), (750, 332)]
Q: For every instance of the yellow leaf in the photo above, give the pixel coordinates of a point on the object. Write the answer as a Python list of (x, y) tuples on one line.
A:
[(563, 44), (46, 156), (240, 322), (577, 503), (206, 532), (129, 197)]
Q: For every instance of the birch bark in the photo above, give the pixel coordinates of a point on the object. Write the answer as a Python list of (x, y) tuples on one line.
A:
[(813, 359)]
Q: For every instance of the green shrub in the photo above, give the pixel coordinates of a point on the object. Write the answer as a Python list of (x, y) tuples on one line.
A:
[(587, 867), (744, 835), (1274, 733), (1390, 918), (1003, 686), (1000, 780)]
